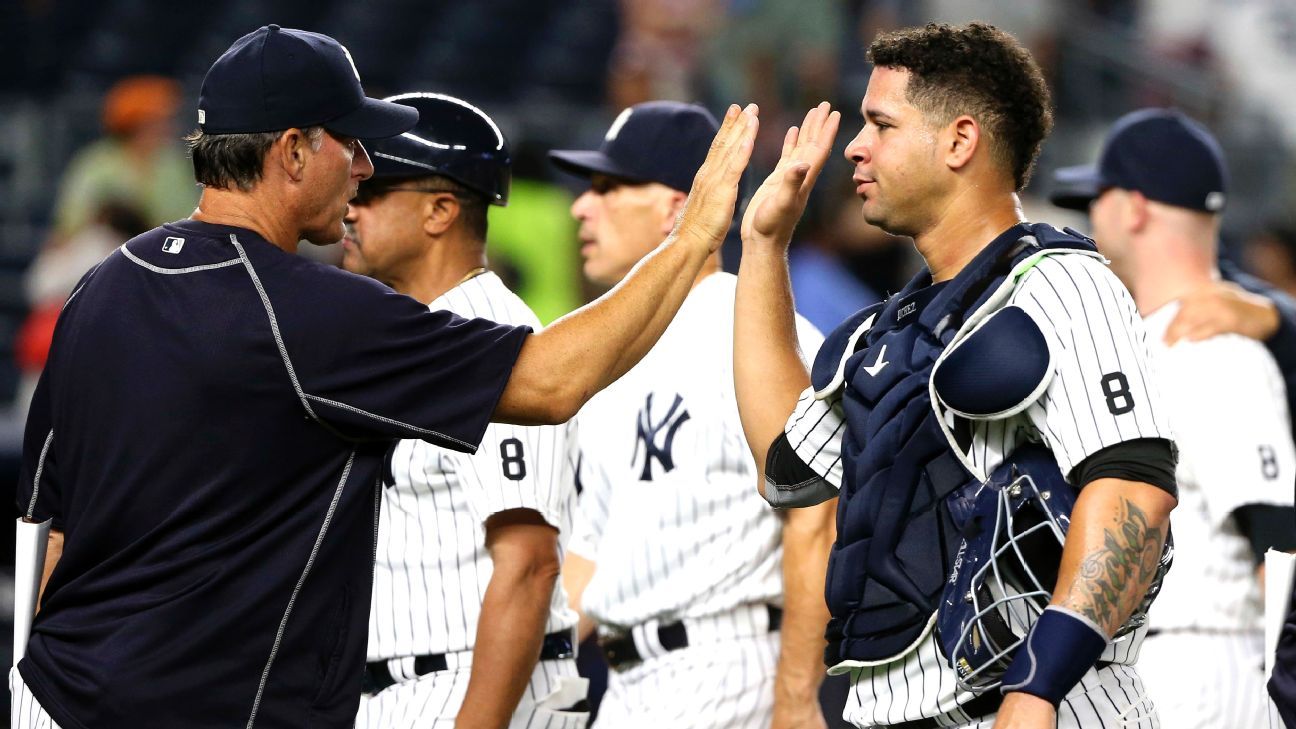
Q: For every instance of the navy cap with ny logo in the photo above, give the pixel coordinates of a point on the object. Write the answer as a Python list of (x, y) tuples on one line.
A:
[(278, 78)]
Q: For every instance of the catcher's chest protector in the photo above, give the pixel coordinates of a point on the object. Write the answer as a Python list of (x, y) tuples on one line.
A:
[(895, 538)]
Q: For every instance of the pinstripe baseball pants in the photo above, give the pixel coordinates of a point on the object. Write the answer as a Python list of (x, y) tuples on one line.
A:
[(727, 684), (25, 712), (433, 701)]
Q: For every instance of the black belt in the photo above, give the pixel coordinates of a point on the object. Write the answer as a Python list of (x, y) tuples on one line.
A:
[(378, 677), (620, 649)]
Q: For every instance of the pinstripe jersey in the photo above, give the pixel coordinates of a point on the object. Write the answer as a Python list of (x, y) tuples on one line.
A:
[(1101, 393), (432, 567), (1228, 405), (669, 512)]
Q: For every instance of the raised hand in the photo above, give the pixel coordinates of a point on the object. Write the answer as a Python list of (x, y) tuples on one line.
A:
[(779, 202), (710, 207)]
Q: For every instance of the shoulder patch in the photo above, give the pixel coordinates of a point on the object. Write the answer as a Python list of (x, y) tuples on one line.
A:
[(996, 371)]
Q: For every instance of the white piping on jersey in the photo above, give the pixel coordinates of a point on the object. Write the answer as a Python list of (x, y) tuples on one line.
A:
[(190, 269), (992, 304), (86, 279), (310, 562), (274, 326), (292, 373), (40, 468), (390, 421), (827, 390), (1026, 401)]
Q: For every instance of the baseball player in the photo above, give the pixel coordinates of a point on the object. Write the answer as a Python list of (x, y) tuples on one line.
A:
[(708, 606), (1155, 199), (208, 433), (1016, 333), (470, 614)]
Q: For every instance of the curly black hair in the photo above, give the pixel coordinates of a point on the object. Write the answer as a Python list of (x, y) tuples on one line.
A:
[(978, 70)]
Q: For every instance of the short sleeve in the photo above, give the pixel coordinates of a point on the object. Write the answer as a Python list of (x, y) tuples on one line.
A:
[(1231, 423), (815, 431), (520, 467), (591, 507), (1102, 390), (376, 364), (39, 489)]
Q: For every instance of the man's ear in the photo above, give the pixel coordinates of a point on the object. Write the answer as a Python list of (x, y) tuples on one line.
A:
[(440, 211), (290, 152), (1136, 210), (675, 206), (959, 140)]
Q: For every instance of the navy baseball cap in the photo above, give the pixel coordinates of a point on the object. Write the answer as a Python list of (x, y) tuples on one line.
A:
[(657, 141), (279, 78), (1159, 152)]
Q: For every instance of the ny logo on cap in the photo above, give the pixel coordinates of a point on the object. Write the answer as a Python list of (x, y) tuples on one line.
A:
[(621, 119), (350, 60)]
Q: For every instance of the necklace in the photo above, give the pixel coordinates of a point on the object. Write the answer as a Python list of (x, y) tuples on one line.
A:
[(472, 274)]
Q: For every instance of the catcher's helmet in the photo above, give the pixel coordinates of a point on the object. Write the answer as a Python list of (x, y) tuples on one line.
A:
[(452, 139), (1014, 527)]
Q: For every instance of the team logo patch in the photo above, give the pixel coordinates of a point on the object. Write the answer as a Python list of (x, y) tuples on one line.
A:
[(657, 439), (173, 245)]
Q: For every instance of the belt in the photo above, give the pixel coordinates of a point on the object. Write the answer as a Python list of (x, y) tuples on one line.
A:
[(377, 676), (620, 649)]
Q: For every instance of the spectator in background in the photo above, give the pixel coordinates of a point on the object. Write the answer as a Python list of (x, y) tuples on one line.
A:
[(140, 162), (659, 52), (52, 276)]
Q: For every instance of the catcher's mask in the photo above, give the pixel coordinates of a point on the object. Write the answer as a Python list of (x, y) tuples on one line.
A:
[(1014, 526)]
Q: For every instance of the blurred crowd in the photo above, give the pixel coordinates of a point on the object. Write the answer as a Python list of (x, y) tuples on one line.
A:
[(1103, 57)]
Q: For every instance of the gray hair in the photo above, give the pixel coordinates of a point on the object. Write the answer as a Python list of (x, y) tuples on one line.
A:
[(224, 161)]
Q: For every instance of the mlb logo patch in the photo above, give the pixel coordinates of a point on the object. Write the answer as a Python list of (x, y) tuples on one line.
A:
[(173, 245)]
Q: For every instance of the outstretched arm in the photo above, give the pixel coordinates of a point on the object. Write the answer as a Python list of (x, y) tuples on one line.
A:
[(769, 373), (562, 366)]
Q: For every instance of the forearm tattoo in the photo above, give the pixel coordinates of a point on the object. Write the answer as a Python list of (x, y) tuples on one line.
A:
[(1114, 577)]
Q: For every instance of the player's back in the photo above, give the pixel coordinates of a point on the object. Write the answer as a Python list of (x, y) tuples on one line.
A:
[(1227, 405)]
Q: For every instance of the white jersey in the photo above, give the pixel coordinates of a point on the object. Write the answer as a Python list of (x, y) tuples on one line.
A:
[(1228, 404), (669, 511), (1101, 393), (432, 567)]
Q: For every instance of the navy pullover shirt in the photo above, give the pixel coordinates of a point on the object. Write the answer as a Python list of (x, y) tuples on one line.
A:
[(208, 434)]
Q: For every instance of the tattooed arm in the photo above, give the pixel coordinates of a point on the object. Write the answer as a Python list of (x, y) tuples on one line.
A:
[(1112, 550), (1110, 558)]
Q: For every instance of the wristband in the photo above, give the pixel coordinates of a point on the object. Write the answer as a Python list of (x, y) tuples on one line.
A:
[(1061, 647)]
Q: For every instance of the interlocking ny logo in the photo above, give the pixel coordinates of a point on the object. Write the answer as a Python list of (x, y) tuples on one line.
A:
[(649, 432)]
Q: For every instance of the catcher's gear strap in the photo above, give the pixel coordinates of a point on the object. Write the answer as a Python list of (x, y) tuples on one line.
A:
[(1267, 526), (1061, 648), (789, 482), (998, 370), (1148, 460)]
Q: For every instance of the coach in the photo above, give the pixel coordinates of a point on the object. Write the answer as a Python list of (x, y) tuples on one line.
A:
[(208, 433)]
